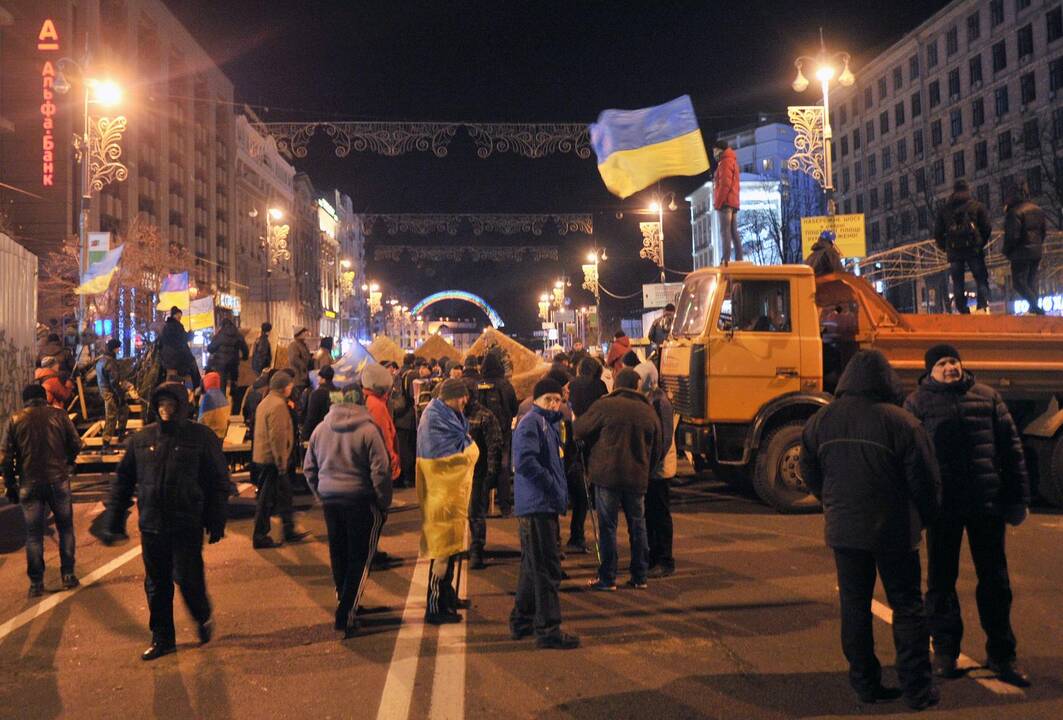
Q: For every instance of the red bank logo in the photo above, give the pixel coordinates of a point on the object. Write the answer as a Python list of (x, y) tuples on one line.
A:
[(48, 39)]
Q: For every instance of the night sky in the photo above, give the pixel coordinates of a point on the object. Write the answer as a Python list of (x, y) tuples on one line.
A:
[(522, 62)]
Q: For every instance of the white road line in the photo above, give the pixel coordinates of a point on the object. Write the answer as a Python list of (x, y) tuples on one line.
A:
[(51, 601), (448, 684), (402, 672), (963, 662)]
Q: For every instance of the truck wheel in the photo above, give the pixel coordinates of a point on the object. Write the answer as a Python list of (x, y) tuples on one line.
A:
[(1051, 466), (777, 477)]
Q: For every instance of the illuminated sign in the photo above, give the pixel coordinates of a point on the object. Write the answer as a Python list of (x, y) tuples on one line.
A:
[(848, 230), (1048, 303), (48, 40), (330, 314), (232, 302)]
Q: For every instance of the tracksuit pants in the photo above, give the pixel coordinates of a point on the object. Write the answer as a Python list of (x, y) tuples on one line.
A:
[(353, 533), (442, 596)]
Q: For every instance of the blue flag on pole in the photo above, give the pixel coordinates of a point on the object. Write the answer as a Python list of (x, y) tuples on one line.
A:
[(97, 278)]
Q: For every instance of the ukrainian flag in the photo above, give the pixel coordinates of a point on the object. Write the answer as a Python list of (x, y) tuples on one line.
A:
[(201, 313), (446, 459), (174, 292), (98, 277), (636, 148)]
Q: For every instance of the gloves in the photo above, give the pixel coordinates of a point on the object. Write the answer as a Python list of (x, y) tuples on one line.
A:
[(216, 534), (1016, 514), (12, 495)]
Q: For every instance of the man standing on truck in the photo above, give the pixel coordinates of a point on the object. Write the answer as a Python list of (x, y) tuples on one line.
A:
[(825, 258), (985, 488), (872, 466), (962, 231), (1024, 238)]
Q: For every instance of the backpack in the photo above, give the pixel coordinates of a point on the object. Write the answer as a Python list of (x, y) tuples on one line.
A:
[(491, 398), (961, 234)]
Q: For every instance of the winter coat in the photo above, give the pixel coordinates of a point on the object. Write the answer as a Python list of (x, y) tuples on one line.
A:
[(322, 358), (1024, 232), (274, 433), (108, 375), (174, 353), (726, 181), (614, 359), (262, 355), (583, 391), (624, 437), (251, 400), (317, 407), (214, 406), (824, 258), (539, 483), (347, 460), (377, 405), (299, 362), (39, 444), (179, 474), (659, 330), (666, 468), (402, 404), (498, 395), (972, 211), (870, 463), (487, 434), (52, 348), (979, 451), (58, 392), (227, 348)]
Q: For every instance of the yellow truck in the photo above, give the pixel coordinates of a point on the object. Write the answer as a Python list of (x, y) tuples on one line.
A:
[(756, 350)]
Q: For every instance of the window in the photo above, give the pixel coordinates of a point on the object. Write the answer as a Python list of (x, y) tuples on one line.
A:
[(869, 130), (952, 41), (843, 115), (932, 54), (848, 206), (868, 100), (981, 193), (902, 150), (875, 236), (935, 133), (902, 187), (845, 145), (996, 12), (974, 27), (1005, 187), (1004, 146), (898, 78), (981, 155), (854, 108), (858, 171), (937, 172), (694, 303), (872, 199), (1055, 74), (887, 158), (917, 105), (917, 143), (920, 180), (975, 65), (1025, 41), (913, 68), (1000, 97), (872, 169), (884, 122), (756, 306), (906, 222), (890, 227), (978, 113), (1033, 180), (1027, 88), (1054, 24), (887, 195), (860, 202), (955, 123), (882, 89), (1021, 5), (1057, 124), (922, 217), (845, 180), (1000, 56), (954, 83), (898, 114), (1031, 135), (856, 139), (935, 94), (959, 166)]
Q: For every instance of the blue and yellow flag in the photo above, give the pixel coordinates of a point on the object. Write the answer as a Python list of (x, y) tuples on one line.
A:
[(174, 292), (446, 459), (636, 148), (201, 313), (98, 277)]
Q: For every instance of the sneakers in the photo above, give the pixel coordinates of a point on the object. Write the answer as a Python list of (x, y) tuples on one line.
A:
[(158, 649), (928, 699), (879, 694), (206, 630), (1010, 673), (944, 666), (519, 633), (560, 641), (443, 618), (36, 589), (70, 581), (600, 586), (264, 543), (636, 584)]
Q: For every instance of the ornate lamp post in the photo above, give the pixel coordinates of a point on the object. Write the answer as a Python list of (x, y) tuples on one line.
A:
[(275, 244), (653, 234), (590, 282), (346, 290), (812, 123)]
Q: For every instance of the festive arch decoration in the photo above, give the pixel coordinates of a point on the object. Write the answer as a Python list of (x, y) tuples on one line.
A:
[(492, 314)]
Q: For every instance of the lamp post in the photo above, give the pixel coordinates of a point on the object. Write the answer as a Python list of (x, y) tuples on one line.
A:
[(826, 67), (276, 245), (590, 282)]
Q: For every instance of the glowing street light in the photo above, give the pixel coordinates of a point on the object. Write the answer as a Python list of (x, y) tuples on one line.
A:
[(107, 93)]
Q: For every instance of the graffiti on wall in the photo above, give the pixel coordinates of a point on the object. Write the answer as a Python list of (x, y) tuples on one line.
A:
[(16, 369)]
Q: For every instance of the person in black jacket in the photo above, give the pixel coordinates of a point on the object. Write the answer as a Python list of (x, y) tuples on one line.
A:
[(486, 433), (497, 394), (872, 466), (227, 349), (587, 387), (318, 403), (1024, 238), (962, 231), (262, 354), (179, 474), (175, 357), (985, 484), (825, 258)]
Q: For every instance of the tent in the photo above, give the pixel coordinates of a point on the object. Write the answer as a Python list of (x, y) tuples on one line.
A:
[(384, 348), (520, 358), (436, 347)]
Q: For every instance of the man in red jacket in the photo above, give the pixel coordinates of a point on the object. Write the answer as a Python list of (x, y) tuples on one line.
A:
[(377, 381), (725, 199)]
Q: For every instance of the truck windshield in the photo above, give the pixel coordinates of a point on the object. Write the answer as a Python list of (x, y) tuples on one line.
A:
[(694, 304)]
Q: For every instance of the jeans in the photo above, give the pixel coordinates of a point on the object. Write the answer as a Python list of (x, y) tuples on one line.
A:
[(36, 500), (116, 415), (1024, 278), (274, 495), (174, 557), (353, 533), (985, 535), (608, 504), (537, 604), (729, 237), (659, 523), (957, 269), (900, 573)]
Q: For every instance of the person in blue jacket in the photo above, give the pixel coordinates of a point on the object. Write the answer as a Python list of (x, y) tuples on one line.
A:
[(541, 494)]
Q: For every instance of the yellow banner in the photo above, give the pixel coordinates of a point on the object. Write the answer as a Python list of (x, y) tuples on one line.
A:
[(850, 239)]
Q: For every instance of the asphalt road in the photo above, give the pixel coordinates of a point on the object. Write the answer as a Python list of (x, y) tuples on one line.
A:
[(747, 628)]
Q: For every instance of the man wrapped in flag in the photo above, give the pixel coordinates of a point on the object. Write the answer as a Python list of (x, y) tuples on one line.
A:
[(636, 148), (446, 459), (214, 406)]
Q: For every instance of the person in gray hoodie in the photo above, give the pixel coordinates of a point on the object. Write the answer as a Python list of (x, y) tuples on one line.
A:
[(348, 466)]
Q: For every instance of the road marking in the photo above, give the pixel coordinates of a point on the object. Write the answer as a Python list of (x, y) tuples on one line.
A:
[(51, 601), (397, 695), (448, 684), (964, 662)]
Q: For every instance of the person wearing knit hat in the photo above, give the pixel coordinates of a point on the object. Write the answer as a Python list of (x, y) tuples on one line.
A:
[(453, 389), (376, 383), (547, 386), (115, 407), (318, 402), (47, 375), (272, 448), (262, 353), (213, 405), (986, 487), (487, 434)]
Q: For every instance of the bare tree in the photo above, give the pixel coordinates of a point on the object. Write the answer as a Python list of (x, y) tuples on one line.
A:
[(761, 230), (1047, 155)]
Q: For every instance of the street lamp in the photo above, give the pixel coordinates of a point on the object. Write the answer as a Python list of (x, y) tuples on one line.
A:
[(653, 233), (276, 245), (825, 68), (590, 282)]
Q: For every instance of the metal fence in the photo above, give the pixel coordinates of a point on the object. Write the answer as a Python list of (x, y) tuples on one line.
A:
[(18, 314)]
